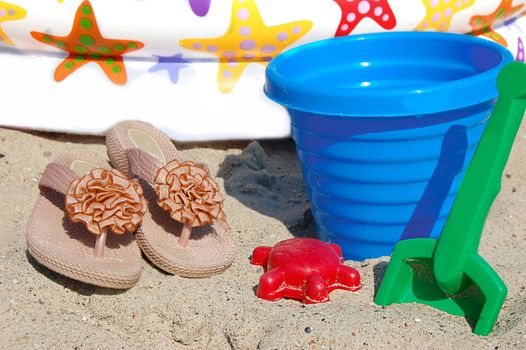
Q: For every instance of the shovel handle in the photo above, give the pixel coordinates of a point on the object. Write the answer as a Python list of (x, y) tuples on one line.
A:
[(460, 237)]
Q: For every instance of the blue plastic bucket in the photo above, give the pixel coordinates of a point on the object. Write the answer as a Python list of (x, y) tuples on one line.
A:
[(385, 126)]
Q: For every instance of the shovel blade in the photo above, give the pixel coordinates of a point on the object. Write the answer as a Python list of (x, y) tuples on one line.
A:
[(410, 278)]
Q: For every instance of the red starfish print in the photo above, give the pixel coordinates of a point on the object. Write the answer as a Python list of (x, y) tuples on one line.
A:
[(353, 11)]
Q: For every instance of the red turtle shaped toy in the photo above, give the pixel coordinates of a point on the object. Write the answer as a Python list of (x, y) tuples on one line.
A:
[(305, 269)]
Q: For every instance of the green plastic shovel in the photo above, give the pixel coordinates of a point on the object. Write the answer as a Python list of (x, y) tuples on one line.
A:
[(448, 273)]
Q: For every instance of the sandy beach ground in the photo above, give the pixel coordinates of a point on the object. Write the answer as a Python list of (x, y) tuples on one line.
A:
[(265, 202)]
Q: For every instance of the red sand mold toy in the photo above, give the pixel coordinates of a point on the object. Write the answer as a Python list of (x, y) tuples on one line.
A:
[(305, 269)]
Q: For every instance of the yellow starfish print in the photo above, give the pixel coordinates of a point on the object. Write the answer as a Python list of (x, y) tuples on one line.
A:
[(248, 40), (440, 13), (9, 12)]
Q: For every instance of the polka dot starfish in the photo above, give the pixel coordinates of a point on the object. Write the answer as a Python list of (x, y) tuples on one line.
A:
[(9, 12), (355, 10), (481, 24), (440, 13), (85, 44), (520, 51), (248, 40)]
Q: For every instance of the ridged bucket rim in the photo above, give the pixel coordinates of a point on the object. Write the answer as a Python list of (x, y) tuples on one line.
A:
[(287, 90)]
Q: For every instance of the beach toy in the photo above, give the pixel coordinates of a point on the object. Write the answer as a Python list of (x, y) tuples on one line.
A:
[(385, 126), (305, 269), (448, 273)]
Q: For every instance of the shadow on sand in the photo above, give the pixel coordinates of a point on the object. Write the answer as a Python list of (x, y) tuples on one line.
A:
[(266, 177)]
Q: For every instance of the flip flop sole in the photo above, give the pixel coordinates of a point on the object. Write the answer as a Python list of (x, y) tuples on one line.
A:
[(68, 248), (168, 264), (78, 273)]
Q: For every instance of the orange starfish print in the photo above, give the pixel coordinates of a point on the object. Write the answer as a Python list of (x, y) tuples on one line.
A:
[(481, 24), (85, 44)]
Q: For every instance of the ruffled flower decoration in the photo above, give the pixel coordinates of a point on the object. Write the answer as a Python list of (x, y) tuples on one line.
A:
[(106, 199), (188, 193)]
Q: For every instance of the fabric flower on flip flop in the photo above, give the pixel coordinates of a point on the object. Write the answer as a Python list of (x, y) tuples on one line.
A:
[(189, 194), (105, 199)]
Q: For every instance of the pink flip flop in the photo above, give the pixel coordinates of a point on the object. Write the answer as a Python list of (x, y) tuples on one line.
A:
[(185, 230), (81, 200)]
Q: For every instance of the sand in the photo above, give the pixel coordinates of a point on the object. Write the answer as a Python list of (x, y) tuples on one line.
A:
[(265, 202)]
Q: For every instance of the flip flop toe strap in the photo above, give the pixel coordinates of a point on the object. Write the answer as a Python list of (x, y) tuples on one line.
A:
[(146, 166), (143, 164), (57, 177), (101, 199)]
